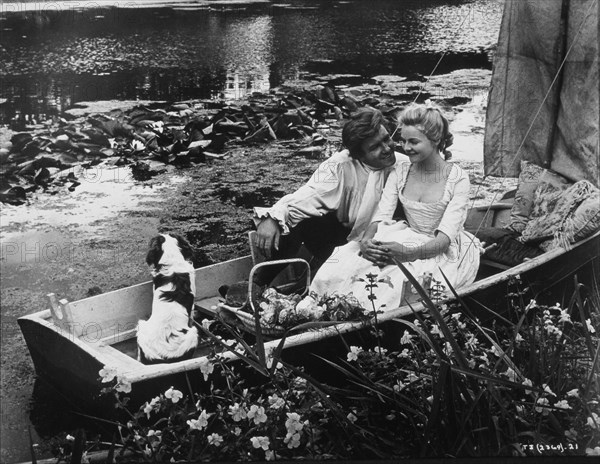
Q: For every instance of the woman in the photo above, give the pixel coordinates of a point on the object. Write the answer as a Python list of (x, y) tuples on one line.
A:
[(434, 195)]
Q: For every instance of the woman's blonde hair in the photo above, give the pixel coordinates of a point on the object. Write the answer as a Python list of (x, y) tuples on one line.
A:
[(430, 120)]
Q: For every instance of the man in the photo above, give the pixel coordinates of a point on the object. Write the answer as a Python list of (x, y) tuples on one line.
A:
[(337, 203)]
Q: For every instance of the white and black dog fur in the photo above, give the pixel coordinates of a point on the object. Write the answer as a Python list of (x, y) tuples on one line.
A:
[(169, 335)]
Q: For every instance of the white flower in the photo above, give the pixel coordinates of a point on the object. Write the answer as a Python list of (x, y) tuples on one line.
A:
[(511, 374), (270, 358), (448, 348), (153, 433), (472, 342), (593, 451), (461, 325), (173, 395), (435, 330), (237, 412), (123, 385), (571, 434), (275, 402), (564, 315), (399, 386), (548, 390), (485, 359), (151, 406), (107, 374), (589, 325), (194, 424), (292, 440), (573, 393), (593, 421), (412, 377), (497, 351), (201, 422), (404, 353), (237, 431), (562, 404), (206, 367), (257, 413), (351, 417), (293, 424), (532, 304), (528, 383), (406, 338), (299, 382), (206, 323), (353, 353), (543, 403), (215, 439), (269, 455), (519, 339), (260, 442), (70, 437)]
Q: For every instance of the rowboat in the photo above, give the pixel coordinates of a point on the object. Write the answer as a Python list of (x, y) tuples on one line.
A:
[(71, 341)]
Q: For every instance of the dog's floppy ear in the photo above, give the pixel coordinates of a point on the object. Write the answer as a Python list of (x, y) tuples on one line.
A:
[(155, 251), (185, 247)]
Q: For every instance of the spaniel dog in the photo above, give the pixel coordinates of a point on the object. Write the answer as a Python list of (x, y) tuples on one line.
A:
[(169, 335)]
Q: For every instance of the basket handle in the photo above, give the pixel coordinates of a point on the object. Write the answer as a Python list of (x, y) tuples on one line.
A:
[(276, 262)]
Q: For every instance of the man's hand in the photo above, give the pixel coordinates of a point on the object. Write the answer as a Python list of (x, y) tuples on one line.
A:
[(267, 236)]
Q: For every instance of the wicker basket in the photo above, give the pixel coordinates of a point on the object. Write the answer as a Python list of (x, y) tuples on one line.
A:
[(245, 318)]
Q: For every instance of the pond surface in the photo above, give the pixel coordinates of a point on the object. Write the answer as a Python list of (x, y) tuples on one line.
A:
[(56, 54)]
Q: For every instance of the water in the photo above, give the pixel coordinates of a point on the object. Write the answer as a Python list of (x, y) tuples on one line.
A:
[(56, 54)]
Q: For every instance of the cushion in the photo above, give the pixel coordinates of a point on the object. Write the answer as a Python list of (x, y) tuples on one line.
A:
[(581, 224), (529, 179), (554, 215)]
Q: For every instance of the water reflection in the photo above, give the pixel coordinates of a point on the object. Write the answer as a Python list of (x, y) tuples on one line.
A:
[(50, 60), (241, 85)]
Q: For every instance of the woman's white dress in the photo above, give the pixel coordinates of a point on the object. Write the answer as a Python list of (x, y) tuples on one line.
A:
[(340, 273)]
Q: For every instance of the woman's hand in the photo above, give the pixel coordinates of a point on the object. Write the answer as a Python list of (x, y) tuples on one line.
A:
[(394, 252), (375, 252)]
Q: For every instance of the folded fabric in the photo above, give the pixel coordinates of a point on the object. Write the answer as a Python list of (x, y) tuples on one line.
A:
[(509, 250), (530, 178), (556, 215)]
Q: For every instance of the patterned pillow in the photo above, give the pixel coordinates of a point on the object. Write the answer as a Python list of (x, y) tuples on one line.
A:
[(529, 179), (554, 215)]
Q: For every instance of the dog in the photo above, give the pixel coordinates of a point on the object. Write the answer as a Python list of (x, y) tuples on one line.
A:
[(169, 335)]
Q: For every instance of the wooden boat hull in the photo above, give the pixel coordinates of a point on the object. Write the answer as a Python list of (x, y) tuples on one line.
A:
[(100, 331)]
